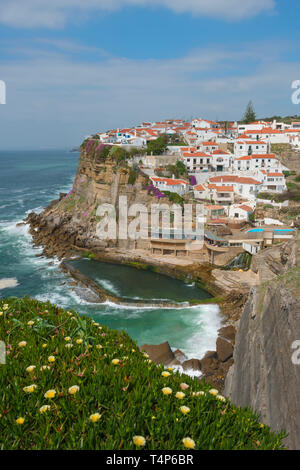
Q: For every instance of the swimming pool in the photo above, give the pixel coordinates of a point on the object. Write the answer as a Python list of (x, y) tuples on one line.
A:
[(276, 230)]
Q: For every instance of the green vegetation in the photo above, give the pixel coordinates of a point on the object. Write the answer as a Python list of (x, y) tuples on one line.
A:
[(158, 146), (179, 169), (174, 197), (133, 174), (249, 115), (70, 383)]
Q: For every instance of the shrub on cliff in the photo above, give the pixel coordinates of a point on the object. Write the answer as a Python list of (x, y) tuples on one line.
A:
[(69, 383)]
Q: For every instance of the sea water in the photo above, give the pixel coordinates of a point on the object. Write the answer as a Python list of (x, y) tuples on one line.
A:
[(29, 180)]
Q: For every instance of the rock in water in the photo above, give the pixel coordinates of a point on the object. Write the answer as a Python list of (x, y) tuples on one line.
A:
[(159, 353)]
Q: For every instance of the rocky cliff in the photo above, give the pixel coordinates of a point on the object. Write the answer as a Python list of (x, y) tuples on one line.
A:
[(264, 375), (72, 219)]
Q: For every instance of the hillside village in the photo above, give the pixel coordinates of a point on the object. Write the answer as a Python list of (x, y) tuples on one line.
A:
[(233, 169)]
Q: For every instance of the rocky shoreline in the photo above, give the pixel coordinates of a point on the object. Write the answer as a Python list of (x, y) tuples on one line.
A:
[(60, 243)]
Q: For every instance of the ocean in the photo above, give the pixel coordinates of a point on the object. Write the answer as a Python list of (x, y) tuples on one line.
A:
[(29, 180)]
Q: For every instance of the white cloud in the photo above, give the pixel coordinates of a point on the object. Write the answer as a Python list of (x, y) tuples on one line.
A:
[(55, 13), (54, 99)]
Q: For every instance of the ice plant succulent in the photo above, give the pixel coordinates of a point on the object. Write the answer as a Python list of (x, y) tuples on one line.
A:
[(50, 394), (95, 417), (73, 390), (188, 443), (139, 441), (184, 410)]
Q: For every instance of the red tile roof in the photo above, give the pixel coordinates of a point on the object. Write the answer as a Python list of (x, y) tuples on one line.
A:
[(199, 187), (169, 181), (246, 208)]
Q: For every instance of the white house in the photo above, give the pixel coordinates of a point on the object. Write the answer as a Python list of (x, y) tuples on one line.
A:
[(196, 161), (221, 160), (253, 126), (245, 187), (250, 147), (180, 187), (240, 211), (221, 194), (269, 135), (255, 162), (272, 182), (200, 191), (208, 146)]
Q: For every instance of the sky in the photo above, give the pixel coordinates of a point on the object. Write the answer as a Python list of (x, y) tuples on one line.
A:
[(74, 67)]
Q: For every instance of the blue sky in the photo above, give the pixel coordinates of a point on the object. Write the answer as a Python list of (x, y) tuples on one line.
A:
[(73, 67)]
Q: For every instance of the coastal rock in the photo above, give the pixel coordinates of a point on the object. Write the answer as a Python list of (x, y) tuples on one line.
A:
[(192, 364), (228, 332), (265, 374), (224, 349), (159, 353), (180, 356)]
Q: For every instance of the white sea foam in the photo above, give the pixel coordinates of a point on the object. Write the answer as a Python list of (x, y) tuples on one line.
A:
[(8, 282), (108, 286)]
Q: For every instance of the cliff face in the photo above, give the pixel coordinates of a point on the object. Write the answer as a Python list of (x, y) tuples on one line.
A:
[(72, 220), (263, 375)]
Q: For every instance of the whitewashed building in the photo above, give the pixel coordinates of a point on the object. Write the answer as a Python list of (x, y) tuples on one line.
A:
[(180, 187), (249, 147)]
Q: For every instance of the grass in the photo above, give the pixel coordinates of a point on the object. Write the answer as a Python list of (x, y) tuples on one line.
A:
[(127, 395)]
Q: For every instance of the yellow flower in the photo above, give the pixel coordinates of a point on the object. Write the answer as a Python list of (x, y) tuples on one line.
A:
[(99, 346), (170, 369), (5, 306), (221, 398), (22, 344), (167, 391), (51, 359), (261, 425), (20, 420), (30, 388), (95, 417), (79, 341), (44, 408), (74, 389), (165, 374), (180, 395), (214, 392), (67, 338), (115, 361), (30, 323), (133, 350), (188, 443), (69, 345), (1, 313), (139, 441), (184, 410), (146, 355), (50, 394), (30, 368), (44, 345)]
